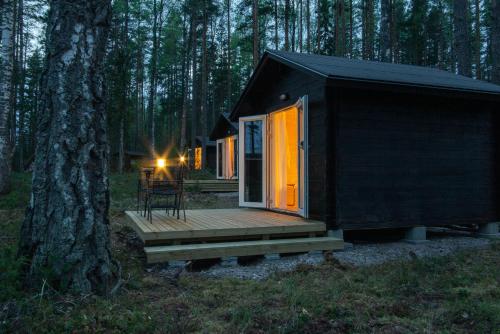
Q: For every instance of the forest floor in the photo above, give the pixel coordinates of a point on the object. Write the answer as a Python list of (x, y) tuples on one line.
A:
[(458, 293)]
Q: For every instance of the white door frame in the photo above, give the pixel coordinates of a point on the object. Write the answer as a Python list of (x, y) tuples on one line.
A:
[(301, 104), (241, 164)]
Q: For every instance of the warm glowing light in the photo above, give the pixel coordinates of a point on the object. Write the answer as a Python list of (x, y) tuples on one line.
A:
[(197, 158), (160, 163), (182, 159), (284, 155)]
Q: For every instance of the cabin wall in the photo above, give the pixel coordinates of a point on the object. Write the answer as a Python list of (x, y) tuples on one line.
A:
[(265, 99), (405, 160)]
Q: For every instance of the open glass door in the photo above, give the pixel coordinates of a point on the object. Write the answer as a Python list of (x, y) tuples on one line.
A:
[(252, 143)]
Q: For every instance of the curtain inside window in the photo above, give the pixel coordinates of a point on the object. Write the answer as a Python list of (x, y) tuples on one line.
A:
[(284, 159)]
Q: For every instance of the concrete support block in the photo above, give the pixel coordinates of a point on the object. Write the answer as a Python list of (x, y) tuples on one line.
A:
[(416, 235), (315, 253), (177, 264), (230, 261), (489, 230), (272, 257), (338, 233)]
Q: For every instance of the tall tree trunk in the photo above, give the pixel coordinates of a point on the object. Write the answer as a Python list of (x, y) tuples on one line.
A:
[(462, 37), (351, 29), (255, 12), (301, 19), (185, 92), (339, 31), (22, 82), (368, 29), (293, 17), (204, 83), (385, 30), (124, 89), (276, 23), (495, 40), (477, 38), (194, 107), (157, 13), (6, 71), (66, 229), (287, 24), (229, 88), (308, 25)]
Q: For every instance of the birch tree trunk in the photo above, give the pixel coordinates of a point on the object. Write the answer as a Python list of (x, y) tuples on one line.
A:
[(495, 40), (6, 70), (462, 37), (65, 236)]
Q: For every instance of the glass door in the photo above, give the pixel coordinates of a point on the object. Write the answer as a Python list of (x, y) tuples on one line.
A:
[(252, 164)]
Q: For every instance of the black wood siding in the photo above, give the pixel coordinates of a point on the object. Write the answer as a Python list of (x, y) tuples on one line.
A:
[(405, 160)]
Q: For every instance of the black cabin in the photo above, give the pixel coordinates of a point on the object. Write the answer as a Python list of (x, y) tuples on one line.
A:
[(364, 144)]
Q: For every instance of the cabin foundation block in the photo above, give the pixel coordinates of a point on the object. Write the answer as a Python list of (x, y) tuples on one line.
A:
[(337, 233), (272, 257), (176, 263), (316, 253), (489, 230), (230, 261), (416, 235)]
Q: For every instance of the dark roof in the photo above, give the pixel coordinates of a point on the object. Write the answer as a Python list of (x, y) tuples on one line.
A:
[(374, 71), (224, 127)]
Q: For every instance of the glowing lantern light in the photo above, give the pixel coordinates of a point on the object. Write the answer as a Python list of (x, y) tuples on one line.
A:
[(182, 159), (160, 163)]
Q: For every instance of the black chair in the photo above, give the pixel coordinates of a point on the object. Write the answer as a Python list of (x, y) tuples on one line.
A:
[(167, 194), (145, 174)]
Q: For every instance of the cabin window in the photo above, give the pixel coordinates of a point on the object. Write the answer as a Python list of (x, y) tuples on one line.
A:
[(197, 158), (227, 158)]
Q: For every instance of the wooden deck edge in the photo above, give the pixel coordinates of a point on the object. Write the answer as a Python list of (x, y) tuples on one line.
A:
[(160, 254)]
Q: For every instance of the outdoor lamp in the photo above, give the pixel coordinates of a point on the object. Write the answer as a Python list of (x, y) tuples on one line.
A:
[(160, 163)]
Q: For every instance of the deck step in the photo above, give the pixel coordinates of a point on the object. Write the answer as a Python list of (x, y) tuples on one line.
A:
[(158, 254)]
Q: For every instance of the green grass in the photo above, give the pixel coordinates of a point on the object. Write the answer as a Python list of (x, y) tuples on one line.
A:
[(453, 294)]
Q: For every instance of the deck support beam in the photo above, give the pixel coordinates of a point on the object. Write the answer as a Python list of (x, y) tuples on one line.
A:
[(489, 230), (416, 235)]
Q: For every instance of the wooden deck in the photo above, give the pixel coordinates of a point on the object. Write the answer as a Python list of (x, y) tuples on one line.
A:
[(220, 224), (214, 233)]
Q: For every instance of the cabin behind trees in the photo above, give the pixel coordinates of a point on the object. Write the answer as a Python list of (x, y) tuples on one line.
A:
[(386, 145)]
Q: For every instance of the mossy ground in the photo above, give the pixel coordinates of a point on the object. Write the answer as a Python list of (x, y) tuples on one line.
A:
[(453, 294)]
